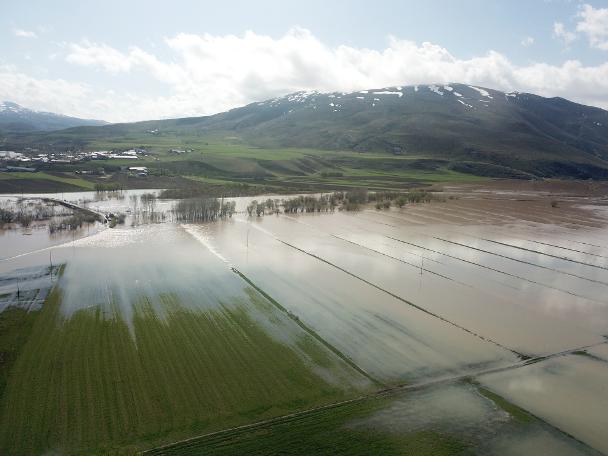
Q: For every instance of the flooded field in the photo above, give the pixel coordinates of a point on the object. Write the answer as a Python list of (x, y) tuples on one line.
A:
[(482, 313)]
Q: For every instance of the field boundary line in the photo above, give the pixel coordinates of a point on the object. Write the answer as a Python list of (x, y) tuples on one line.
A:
[(307, 329), (399, 298)]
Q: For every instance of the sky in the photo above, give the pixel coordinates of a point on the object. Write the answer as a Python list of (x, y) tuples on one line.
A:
[(132, 60)]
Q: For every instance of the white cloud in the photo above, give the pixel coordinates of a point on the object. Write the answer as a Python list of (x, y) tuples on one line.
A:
[(594, 24), (560, 32), (205, 74), (45, 94), (99, 55), (527, 41), (24, 33)]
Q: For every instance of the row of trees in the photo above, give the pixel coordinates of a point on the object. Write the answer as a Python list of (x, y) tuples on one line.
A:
[(347, 201), (208, 209), (144, 209), (203, 209), (401, 199)]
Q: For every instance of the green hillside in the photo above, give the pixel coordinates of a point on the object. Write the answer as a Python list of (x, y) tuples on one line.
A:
[(377, 138)]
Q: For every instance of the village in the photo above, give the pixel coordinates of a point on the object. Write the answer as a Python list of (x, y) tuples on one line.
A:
[(71, 157)]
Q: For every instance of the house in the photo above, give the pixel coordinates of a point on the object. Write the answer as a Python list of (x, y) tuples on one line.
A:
[(124, 157), (140, 171), (10, 155)]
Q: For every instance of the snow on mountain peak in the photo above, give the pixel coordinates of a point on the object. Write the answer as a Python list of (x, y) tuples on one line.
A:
[(435, 89), (11, 106), (482, 92)]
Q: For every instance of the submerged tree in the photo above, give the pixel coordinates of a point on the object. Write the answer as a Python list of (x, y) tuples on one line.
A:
[(202, 210)]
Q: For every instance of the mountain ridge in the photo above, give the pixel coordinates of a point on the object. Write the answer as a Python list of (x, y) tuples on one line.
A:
[(16, 118), (474, 129)]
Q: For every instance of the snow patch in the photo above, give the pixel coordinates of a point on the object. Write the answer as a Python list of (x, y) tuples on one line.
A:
[(435, 89), (14, 107), (388, 92), (301, 97), (482, 92)]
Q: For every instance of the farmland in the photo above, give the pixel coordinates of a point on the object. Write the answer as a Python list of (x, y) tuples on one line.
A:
[(223, 162), (109, 368), (466, 324)]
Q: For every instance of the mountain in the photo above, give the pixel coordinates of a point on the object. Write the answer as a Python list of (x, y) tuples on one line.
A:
[(16, 118), (467, 128), (466, 125)]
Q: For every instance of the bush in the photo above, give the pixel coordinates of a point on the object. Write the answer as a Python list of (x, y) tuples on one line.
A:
[(6, 215)]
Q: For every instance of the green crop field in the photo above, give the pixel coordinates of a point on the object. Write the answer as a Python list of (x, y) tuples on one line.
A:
[(324, 432), (20, 181), (227, 161), (92, 383)]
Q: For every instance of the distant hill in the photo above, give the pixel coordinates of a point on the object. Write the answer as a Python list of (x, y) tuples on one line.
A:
[(16, 118), (470, 129)]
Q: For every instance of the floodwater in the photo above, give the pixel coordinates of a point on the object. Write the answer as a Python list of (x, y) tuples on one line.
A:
[(570, 392), (473, 286), (27, 288), (118, 272), (461, 410), (382, 334)]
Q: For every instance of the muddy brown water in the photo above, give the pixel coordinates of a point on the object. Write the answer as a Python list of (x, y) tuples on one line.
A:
[(428, 291)]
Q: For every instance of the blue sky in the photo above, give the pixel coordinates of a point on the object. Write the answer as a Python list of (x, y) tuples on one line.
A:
[(133, 60)]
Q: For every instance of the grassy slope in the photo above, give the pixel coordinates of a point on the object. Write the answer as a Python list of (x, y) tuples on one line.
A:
[(515, 137), (86, 383), (279, 169)]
